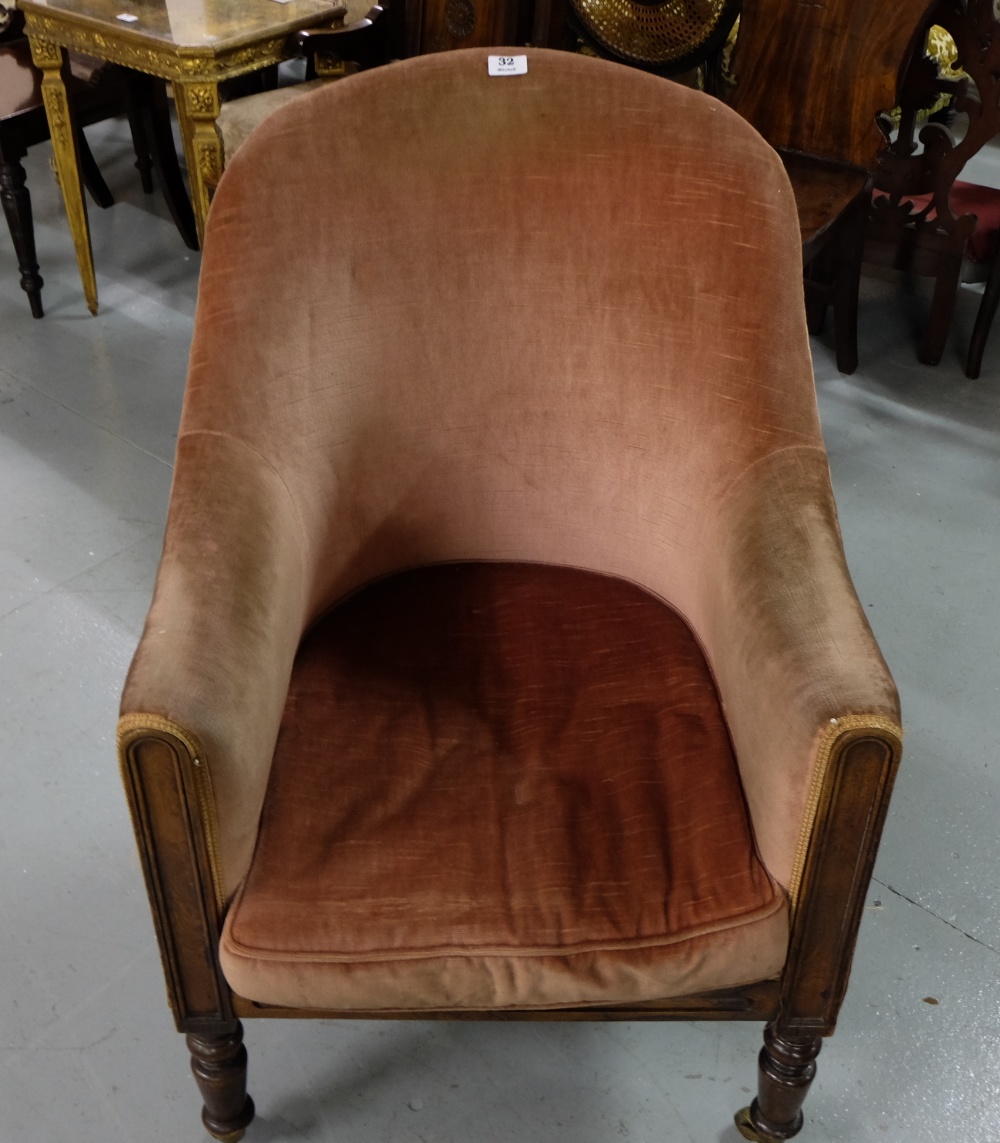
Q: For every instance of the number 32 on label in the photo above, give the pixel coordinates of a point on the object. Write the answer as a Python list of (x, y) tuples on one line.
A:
[(508, 65)]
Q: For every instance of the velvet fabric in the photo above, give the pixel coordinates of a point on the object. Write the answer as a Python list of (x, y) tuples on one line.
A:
[(513, 784), (554, 318)]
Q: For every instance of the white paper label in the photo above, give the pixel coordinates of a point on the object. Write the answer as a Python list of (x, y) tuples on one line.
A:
[(127, 18), (508, 65)]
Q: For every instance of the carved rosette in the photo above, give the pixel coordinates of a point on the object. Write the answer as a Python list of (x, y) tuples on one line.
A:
[(202, 100), (460, 18)]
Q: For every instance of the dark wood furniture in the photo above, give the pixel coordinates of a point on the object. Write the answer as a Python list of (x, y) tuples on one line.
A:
[(923, 220), (812, 78), (375, 39), (98, 93), (441, 25)]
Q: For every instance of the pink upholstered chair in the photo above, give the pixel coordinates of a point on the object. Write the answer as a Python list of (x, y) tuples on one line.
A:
[(503, 659)]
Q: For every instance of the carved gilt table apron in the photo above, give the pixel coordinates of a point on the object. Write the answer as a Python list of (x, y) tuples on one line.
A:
[(196, 44)]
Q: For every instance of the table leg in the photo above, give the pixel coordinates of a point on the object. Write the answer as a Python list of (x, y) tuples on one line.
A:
[(51, 59), (197, 104)]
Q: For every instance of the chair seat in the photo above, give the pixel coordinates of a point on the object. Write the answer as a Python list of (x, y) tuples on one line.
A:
[(822, 193), (969, 198), (20, 80), (501, 785), (238, 117), (984, 203)]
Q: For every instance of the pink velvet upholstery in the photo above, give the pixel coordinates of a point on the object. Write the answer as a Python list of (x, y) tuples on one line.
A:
[(501, 785), (553, 319)]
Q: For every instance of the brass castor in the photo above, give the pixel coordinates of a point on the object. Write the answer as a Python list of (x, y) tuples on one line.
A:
[(230, 1136), (744, 1125)]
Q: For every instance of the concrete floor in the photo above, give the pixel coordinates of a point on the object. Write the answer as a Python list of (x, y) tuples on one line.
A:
[(88, 410)]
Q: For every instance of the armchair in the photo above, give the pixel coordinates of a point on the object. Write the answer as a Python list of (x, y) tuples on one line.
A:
[(503, 659)]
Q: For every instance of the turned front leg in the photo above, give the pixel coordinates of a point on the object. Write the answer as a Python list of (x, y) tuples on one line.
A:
[(17, 208), (219, 1063), (785, 1070)]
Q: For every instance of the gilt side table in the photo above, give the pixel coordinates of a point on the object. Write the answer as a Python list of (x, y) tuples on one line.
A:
[(196, 44)]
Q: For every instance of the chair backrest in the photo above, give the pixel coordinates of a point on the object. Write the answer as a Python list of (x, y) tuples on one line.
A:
[(906, 169), (813, 77), (659, 35), (552, 316)]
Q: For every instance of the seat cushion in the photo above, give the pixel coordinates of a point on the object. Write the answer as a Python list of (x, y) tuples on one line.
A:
[(984, 203), (501, 785), (238, 117), (969, 198)]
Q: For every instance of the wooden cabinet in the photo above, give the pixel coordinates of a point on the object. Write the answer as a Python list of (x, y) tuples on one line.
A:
[(441, 25)]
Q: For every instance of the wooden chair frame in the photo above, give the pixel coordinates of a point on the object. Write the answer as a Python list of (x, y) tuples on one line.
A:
[(163, 778)]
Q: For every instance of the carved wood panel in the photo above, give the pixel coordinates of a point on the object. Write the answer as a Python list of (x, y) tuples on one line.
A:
[(441, 25)]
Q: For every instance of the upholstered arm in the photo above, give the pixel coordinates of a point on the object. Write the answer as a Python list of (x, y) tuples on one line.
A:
[(226, 619), (793, 655)]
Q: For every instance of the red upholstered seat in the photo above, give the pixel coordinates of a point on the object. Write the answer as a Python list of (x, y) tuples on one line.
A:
[(984, 203), (971, 198), (502, 785)]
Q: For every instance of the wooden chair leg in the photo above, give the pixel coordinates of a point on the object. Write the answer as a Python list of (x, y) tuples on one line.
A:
[(149, 98), (849, 251), (90, 172), (984, 319), (17, 210), (817, 279), (219, 1063), (935, 338), (140, 138), (786, 1068)]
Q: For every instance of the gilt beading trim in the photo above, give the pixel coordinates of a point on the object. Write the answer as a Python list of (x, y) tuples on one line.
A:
[(132, 727), (831, 735)]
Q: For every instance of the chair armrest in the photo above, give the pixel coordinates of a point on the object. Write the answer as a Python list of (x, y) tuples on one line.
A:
[(368, 42), (794, 658), (213, 663)]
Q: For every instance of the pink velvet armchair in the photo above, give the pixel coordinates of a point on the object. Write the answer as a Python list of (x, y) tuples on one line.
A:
[(503, 659)]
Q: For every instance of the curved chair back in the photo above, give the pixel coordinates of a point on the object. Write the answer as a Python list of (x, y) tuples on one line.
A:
[(511, 348)]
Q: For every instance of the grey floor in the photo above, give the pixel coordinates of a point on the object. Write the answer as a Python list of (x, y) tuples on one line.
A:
[(88, 410)]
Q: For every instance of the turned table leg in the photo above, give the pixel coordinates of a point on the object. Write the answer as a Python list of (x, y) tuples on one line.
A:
[(785, 1071), (219, 1063)]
